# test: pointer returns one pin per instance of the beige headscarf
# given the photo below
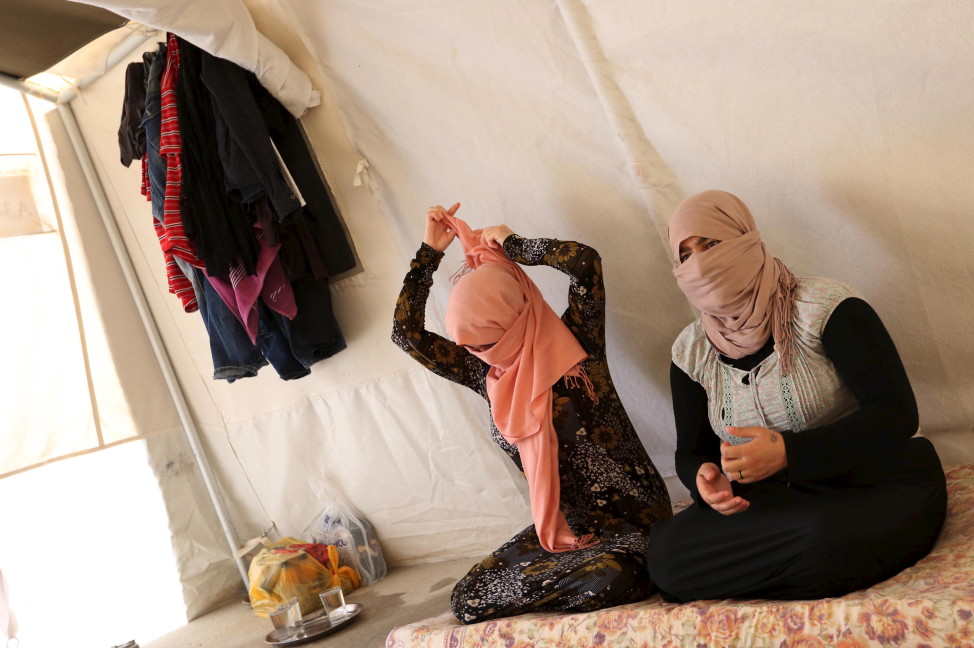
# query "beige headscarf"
(744, 294)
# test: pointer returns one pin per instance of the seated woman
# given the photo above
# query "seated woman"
(794, 420)
(594, 491)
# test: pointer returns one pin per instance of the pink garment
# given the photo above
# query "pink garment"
(240, 291)
(497, 304)
(744, 294)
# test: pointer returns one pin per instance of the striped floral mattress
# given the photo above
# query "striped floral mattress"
(926, 606)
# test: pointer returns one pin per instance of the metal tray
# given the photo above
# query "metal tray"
(313, 628)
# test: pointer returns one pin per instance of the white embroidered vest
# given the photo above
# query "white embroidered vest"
(812, 395)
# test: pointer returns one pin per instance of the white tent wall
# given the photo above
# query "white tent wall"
(495, 109)
(126, 377)
(129, 389)
(86, 406)
(405, 448)
(847, 130)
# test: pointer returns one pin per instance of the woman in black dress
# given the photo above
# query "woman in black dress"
(794, 421)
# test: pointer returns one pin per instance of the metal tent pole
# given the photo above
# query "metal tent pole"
(128, 271)
(28, 88)
(148, 321)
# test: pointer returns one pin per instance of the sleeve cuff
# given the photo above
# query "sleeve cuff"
(513, 246)
(428, 254)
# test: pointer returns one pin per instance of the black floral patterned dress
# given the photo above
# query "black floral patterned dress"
(609, 485)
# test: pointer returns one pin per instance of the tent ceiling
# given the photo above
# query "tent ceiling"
(36, 34)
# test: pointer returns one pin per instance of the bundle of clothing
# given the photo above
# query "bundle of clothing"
(244, 219)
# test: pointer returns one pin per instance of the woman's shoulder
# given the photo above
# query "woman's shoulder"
(691, 348)
(822, 290)
(817, 298)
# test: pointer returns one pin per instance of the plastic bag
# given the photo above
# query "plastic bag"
(289, 568)
(344, 576)
(350, 532)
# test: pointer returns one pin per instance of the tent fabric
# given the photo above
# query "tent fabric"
(65, 352)
(36, 34)
(613, 112)
(376, 413)
(583, 121)
(92, 60)
(225, 29)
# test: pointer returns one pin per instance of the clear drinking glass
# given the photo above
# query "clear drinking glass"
(334, 602)
(288, 615)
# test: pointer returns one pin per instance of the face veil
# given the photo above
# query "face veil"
(745, 296)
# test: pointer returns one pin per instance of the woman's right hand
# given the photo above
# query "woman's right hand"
(439, 232)
(715, 489)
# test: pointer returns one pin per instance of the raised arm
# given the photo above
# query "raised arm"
(438, 354)
(585, 315)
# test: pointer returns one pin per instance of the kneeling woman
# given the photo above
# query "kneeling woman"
(594, 491)
(794, 421)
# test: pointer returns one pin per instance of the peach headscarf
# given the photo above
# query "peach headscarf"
(744, 294)
(497, 303)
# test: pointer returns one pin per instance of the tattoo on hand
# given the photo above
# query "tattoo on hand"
(774, 438)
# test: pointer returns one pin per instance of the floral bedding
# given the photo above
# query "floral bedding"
(926, 606)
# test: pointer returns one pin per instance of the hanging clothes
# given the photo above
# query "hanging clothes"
(131, 135)
(220, 226)
(252, 173)
(234, 354)
(220, 233)
(253, 166)
(161, 168)
(240, 290)
(322, 219)
(245, 146)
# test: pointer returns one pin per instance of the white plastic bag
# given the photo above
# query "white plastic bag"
(341, 525)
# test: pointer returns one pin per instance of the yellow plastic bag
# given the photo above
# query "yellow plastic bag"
(279, 573)
(343, 575)
(285, 569)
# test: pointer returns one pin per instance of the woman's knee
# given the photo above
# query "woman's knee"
(613, 578)
(468, 601)
(663, 560)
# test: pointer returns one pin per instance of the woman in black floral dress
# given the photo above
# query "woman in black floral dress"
(609, 485)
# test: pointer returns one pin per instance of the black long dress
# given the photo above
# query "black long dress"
(859, 501)
(609, 485)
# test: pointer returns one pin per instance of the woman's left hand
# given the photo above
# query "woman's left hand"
(496, 235)
(759, 458)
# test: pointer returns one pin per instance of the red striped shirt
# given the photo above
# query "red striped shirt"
(172, 235)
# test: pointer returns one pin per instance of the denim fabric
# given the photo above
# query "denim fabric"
(314, 334)
(151, 122)
(234, 356)
(275, 343)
